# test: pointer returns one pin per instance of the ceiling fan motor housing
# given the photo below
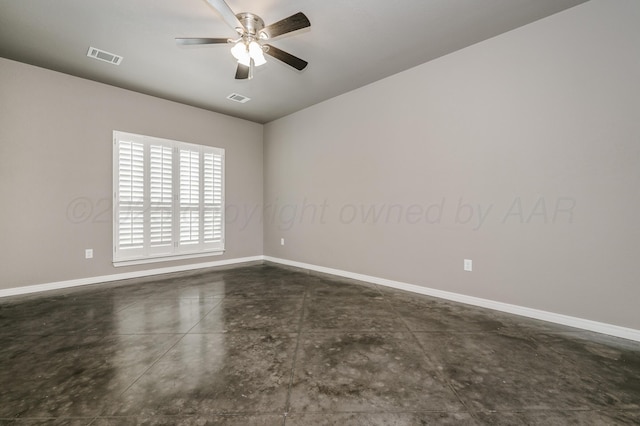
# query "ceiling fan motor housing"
(252, 23)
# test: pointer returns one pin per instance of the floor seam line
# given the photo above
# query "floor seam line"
(159, 358)
(295, 358)
(426, 354)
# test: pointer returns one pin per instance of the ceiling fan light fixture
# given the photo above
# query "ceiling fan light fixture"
(255, 52)
(240, 52)
(245, 53)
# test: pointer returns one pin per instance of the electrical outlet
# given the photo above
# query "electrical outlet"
(88, 254)
(281, 241)
(468, 265)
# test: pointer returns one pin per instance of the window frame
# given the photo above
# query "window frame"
(206, 172)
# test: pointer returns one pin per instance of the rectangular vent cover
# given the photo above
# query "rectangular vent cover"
(101, 55)
(238, 98)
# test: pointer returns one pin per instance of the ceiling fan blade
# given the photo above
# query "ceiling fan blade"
(190, 41)
(225, 11)
(285, 57)
(292, 23)
(242, 73)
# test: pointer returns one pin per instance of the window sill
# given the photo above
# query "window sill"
(142, 261)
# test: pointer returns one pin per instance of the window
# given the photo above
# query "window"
(168, 199)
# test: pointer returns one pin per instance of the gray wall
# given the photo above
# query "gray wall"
(56, 178)
(521, 153)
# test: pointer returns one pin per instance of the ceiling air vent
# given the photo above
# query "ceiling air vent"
(238, 98)
(101, 55)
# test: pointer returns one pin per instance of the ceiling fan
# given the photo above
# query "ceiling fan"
(250, 47)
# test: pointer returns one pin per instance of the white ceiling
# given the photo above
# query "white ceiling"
(351, 43)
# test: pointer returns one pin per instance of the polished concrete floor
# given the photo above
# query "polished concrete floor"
(265, 345)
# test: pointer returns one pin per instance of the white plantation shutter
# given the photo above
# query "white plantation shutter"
(213, 196)
(189, 197)
(168, 199)
(160, 198)
(130, 217)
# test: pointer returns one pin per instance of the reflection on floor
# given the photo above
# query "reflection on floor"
(265, 345)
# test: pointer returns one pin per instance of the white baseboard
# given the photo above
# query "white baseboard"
(584, 324)
(581, 323)
(123, 276)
